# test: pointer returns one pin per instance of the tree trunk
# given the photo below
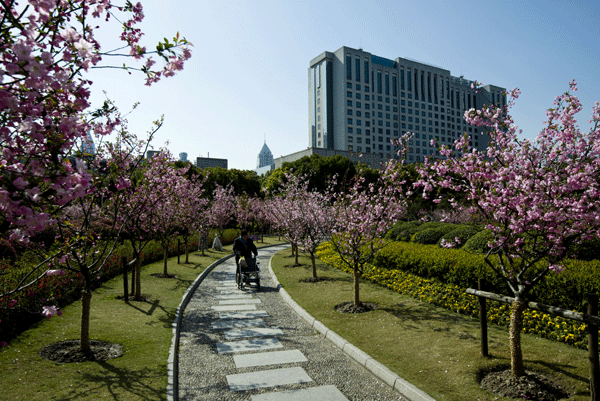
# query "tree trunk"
(296, 246)
(293, 248)
(187, 260)
(86, 300)
(356, 287)
(138, 274)
(165, 258)
(203, 243)
(516, 326)
(314, 264)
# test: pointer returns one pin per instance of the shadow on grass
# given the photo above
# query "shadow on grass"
(120, 383)
(166, 319)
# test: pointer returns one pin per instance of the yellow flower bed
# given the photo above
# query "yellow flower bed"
(454, 298)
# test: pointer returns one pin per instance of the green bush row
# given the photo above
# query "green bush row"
(453, 297)
(459, 267)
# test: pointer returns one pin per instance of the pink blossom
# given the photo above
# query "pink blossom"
(49, 311)
(55, 272)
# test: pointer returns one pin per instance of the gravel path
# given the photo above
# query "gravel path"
(207, 374)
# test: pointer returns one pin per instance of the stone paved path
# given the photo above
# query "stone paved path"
(250, 345)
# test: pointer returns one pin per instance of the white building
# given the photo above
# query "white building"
(359, 102)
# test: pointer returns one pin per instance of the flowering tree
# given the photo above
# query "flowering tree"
(362, 216)
(191, 216)
(222, 207)
(317, 218)
(284, 210)
(88, 228)
(143, 205)
(538, 197)
(244, 210)
(47, 47)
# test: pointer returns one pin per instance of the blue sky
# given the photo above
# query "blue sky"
(247, 79)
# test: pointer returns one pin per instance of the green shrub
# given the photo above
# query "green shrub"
(479, 242)
(463, 232)
(432, 235)
(402, 231)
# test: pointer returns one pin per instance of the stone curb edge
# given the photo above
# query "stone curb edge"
(173, 359)
(379, 370)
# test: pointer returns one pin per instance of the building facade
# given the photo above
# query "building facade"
(360, 102)
(203, 162)
(183, 156)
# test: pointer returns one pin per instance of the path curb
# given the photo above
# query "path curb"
(379, 370)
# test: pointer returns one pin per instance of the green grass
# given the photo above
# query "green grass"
(142, 328)
(435, 349)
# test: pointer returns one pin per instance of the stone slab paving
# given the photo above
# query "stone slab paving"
(252, 332)
(237, 323)
(234, 296)
(204, 370)
(243, 315)
(268, 358)
(267, 378)
(260, 344)
(321, 393)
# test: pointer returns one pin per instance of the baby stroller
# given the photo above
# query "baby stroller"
(247, 271)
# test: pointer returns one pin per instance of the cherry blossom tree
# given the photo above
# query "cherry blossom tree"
(192, 208)
(362, 216)
(284, 210)
(47, 47)
(222, 208)
(537, 196)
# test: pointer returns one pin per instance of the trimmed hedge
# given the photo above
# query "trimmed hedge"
(578, 274)
(463, 232)
(479, 242)
(403, 231)
(429, 236)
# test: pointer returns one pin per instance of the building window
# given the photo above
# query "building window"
(349, 85)
(348, 67)
(358, 104)
(379, 82)
(358, 95)
(350, 148)
(349, 102)
(357, 87)
(359, 148)
(349, 130)
(394, 86)
(366, 72)
(349, 112)
(357, 68)
(350, 138)
(368, 141)
(349, 121)
(387, 84)
(349, 94)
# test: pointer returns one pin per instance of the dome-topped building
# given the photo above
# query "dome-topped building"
(265, 157)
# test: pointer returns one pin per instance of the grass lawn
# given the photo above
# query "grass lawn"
(142, 328)
(433, 348)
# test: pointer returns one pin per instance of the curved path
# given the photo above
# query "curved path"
(249, 345)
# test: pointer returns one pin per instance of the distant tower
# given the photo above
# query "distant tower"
(87, 145)
(265, 157)
(183, 156)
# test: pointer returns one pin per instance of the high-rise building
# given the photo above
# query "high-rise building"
(183, 156)
(265, 157)
(359, 102)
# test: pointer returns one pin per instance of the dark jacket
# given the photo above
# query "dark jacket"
(246, 250)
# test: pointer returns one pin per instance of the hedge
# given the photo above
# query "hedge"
(395, 268)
